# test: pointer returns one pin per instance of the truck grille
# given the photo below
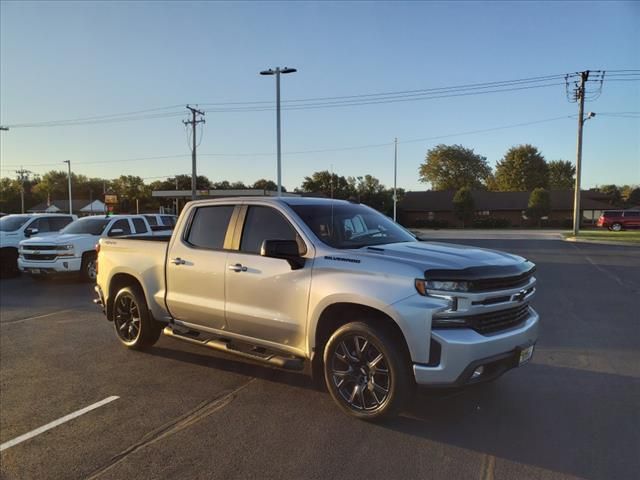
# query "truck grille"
(39, 247)
(501, 320)
(31, 256)
(488, 284)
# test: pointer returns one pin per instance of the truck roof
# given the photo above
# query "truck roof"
(286, 200)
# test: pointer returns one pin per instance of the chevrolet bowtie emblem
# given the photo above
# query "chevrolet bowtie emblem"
(518, 297)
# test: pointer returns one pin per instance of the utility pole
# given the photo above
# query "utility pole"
(193, 122)
(68, 162)
(22, 175)
(579, 95)
(395, 176)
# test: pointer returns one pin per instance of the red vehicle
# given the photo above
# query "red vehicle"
(617, 220)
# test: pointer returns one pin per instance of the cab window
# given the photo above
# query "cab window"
(209, 227)
(264, 223)
(140, 226)
(122, 224)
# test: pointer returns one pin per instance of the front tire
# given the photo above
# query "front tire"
(616, 227)
(366, 371)
(134, 326)
(88, 270)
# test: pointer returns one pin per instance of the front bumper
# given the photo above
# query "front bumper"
(42, 267)
(463, 350)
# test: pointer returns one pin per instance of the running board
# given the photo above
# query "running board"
(252, 352)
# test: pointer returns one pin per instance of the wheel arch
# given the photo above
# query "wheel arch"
(337, 314)
(118, 282)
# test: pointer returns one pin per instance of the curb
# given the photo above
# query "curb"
(602, 242)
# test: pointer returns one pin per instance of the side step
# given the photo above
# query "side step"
(252, 352)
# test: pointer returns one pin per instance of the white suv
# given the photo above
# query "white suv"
(15, 228)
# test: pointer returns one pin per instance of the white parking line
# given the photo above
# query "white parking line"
(55, 423)
(18, 320)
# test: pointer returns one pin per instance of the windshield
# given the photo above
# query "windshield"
(11, 223)
(91, 226)
(351, 225)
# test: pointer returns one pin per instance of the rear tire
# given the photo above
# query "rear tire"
(9, 263)
(88, 271)
(134, 326)
(366, 371)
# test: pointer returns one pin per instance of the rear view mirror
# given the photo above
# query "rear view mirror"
(114, 232)
(30, 231)
(285, 249)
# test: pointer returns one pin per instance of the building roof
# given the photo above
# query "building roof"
(55, 206)
(437, 201)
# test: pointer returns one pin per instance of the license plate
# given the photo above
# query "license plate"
(35, 270)
(525, 355)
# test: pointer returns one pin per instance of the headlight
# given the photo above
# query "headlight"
(65, 247)
(440, 285)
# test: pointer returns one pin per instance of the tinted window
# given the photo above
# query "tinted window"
(58, 223)
(264, 223)
(42, 224)
(612, 214)
(209, 226)
(123, 223)
(346, 225)
(11, 223)
(169, 220)
(139, 225)
(632, 214)
(89, 225)
(152, 220)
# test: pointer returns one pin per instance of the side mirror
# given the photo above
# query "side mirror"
(30, 231)
(114, 232)
(285, 249)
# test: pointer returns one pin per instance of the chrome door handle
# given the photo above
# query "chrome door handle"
(237, 268)
(178, 261)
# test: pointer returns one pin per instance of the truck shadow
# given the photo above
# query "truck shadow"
(577, 422)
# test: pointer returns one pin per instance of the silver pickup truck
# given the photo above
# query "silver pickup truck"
(325, 284)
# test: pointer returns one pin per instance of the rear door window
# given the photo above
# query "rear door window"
(632, 213)
(58, 223)
(152, 220)
(209, 227)
(42, 224)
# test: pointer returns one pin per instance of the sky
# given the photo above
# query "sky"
(66, 60)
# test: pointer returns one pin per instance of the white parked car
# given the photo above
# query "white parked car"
(15, 228)
(73, 249)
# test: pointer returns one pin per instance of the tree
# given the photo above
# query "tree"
(329, 184)
(463, 205)
(562, 174)
(268, 185)
(613, 192)
(633, 198)
(522, 168)
(451, 167)
(539, 205)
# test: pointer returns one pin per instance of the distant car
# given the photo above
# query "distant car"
(617, 220)
(15, 228)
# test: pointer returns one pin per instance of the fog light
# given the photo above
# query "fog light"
(65, 264)
(477, 372)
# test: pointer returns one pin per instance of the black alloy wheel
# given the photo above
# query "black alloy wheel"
(367, 371)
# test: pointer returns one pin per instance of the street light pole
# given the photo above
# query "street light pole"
(68, 162)
(277, 73)
(395, 176)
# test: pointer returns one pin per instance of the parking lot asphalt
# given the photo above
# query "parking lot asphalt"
(187, 412)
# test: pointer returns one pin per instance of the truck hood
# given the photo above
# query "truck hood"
(59, 239)
(439, 256)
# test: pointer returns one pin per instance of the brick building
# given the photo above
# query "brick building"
(423, 208)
